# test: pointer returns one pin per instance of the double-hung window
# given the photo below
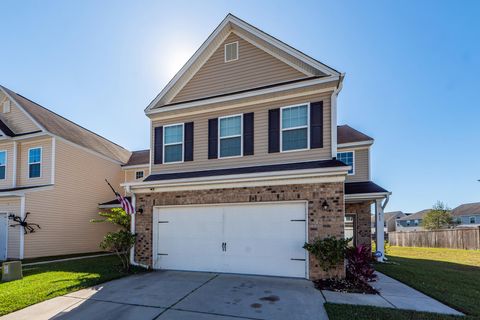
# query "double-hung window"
(349, 159)
(34, 162)
(472, 219)
(230, 136)
(173, 143)
(294, 127)
(138, 174)
(3, 164)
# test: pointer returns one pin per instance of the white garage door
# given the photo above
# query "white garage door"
(264, 239)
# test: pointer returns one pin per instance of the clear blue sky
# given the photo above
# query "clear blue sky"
(412, 73)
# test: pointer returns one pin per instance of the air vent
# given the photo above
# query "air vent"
(6, 106)
(231, 51)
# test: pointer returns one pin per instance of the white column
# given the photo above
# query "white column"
(379, 223)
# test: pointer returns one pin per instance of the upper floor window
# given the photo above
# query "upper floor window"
(231, 51)
(230, 136)
(408, 222)
(34, 162)
(472, 219)
(349, 159)
(173, 143)
(294, 122)
(138, 174)
(416, 222)
(3, 164)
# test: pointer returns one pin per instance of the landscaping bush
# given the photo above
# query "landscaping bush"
(360, 264)
(119, 242)
(330, 252)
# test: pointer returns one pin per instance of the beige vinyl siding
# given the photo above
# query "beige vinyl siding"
(11, 205)
(16, 119)
(261, 155)
(254, 68)
(8, 181)
(362, 164)
(65, 211)
(129, 174)
(46, 165)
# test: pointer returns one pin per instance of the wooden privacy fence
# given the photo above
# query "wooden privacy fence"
(460, 238)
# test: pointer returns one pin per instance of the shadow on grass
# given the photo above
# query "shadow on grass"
(455, 284)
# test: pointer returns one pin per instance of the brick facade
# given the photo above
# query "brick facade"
(321, 223)
(363, 222)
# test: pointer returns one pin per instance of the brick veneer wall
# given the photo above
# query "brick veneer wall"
(321, 223)
(363, 212)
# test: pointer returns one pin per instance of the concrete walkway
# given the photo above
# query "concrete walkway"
(393, 294)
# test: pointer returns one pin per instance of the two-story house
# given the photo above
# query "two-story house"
(413, 222)
(247, 162)
(52, 173)
(467, 215)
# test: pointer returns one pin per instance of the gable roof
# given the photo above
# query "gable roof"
(266, 42)
(138, 158)
(416, 216)
(57, 125)
(467, 209)
(346, 134)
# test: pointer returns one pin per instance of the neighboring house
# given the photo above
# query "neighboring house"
(54, 170)
(411, 222)
(467, 215)
(247, 162)
(390, 221)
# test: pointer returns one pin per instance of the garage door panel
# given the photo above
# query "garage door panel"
(262, 238)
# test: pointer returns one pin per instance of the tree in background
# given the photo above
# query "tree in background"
(437, 218)
(121, 241)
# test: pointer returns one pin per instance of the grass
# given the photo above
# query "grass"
(50, 280)
(349, 312)
(449, 275)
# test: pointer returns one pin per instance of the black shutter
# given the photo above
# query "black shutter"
(213, 138)
(316, 125)
(158, 145)
(188, 146)
(273, 130)
(248, 134)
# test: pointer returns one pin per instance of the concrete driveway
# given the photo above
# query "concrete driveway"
(180, 295)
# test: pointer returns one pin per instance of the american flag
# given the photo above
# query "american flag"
(126, 205)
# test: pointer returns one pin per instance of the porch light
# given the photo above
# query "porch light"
(325, 205)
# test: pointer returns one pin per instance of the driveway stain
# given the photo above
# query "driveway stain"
(272, 299)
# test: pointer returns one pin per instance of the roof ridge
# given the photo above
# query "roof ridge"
(58, 115)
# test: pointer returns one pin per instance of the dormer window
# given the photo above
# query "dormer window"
(231, 51)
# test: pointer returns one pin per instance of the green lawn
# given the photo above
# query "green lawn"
(349, 312)
(50, 280)
(448, 275)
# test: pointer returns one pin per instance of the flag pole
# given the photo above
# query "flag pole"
(113, 190)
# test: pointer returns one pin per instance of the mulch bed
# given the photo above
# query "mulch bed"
(344, 285)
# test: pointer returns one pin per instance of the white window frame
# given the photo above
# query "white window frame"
(234, 136)
(416, 222)
(470, 220)
(171, 144)
(353, 160)
(225, 52)
(6, 106)
(300, 127)
(40, 162)
(6, 160)
(138, 171)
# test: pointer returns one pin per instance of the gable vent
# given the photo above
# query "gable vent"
(231, 51)
(6, 106)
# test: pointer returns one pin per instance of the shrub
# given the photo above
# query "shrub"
(122, 241)
(360, 264)
(330, 252)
